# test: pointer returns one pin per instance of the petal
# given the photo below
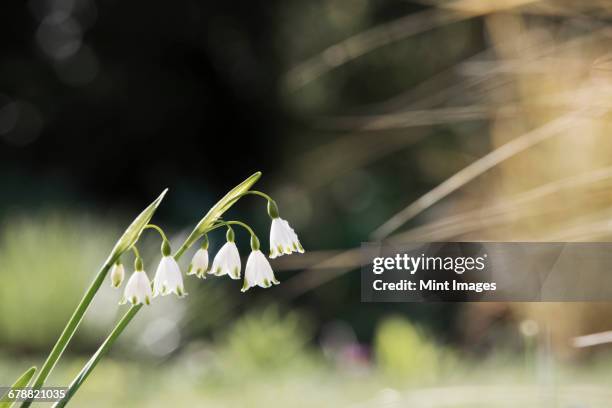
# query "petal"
(174, 276)
(218, 267)
(160, 282)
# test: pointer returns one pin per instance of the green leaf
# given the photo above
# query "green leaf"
(132, 233)
(21, 382)
(222, 206)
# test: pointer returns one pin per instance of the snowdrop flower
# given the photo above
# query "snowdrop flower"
(117, 274)
(258, 271)
(283, 239)
(199, 263)
(138, 288)
(168, 278)
(227, 260)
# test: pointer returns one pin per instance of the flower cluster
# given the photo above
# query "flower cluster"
(168, 277)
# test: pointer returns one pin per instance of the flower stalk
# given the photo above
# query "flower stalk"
(168, 277)
(127, 240)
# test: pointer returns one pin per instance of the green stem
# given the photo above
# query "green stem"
(218, 208)
(251, 192)
(93, 361)
(182, 249)
(242, 224)
(69, 330)
(158, 229)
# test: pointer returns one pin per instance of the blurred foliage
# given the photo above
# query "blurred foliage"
(46, 263)
(266, 339)
(497, 383)
(403, 352)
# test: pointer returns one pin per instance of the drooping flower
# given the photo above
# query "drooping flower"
(227, 261)
(199, 263)
(283, 239)
(258, 272)
(168, 278)
(138, 289)
(117, 274)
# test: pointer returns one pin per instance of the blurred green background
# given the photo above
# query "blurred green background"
(353, 109)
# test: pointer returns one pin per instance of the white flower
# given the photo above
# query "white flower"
(138, 289)
(199, 263)
(227, 261)
(168, 278)
(283, 239)
(117, 275)
(258, 272)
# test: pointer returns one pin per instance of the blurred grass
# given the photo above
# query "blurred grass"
(46, 262)
(404, 352)
(221, 375)
(268, 357)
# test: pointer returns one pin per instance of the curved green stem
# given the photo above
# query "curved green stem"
(251, 192)
(240, 223)
(158, 229)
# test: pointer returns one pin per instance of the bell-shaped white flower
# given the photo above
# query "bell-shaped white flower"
(168, 278)
(117, 274)
(227, 261)
(138, 289)
(258, 272)
(199, 263)
(283, 239)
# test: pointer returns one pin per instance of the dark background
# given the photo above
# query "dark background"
(167, 103)
(102, 105)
